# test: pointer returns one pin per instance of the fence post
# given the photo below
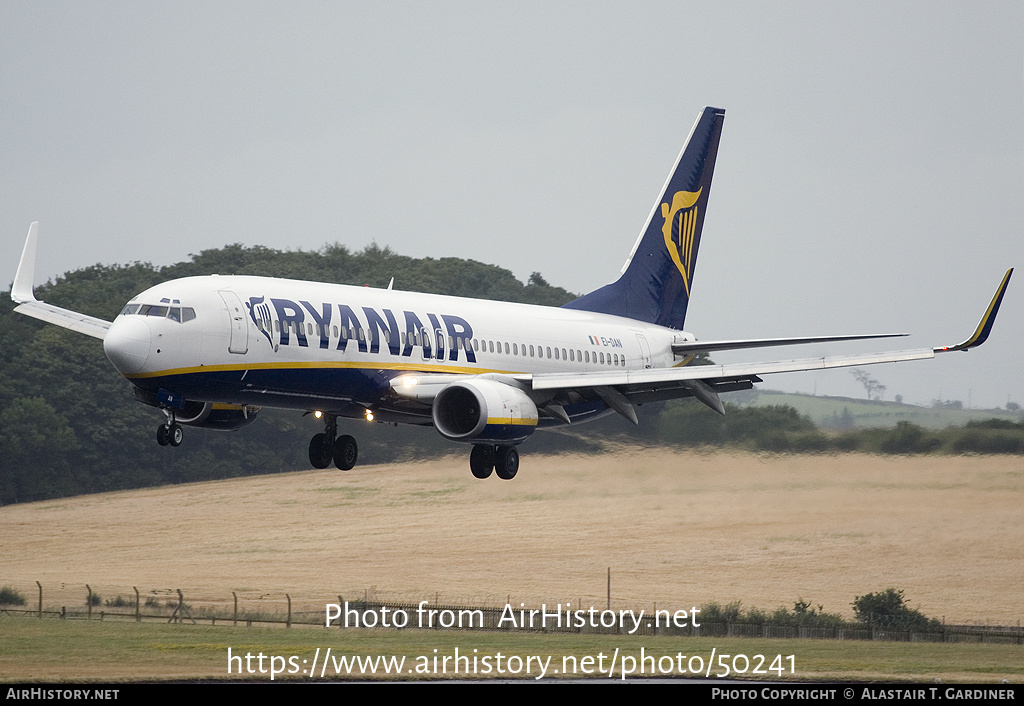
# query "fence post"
(88, 600)
(40, 599)
(609, 606)
(235, 619)
(138, 616)
(288, 624)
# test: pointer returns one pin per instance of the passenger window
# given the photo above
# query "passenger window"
(531, 351)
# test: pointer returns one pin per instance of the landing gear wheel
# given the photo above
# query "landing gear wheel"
(506, 463)
(345, 452)
(162, 437)
(175, 435)
(321, 452)
(481, 460)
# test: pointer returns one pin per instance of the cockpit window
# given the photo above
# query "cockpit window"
(181, 314)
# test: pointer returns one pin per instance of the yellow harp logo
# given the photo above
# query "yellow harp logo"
(680, 226)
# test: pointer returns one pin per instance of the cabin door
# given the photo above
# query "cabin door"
(239, 342)
(645, 350)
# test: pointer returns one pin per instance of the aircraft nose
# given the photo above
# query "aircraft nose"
(127, 344)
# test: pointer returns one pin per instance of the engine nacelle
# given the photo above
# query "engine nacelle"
(484, 411)
(223, 417)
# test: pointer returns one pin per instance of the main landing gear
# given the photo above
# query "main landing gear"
(328, 446)
(170, 432)
(503, 460)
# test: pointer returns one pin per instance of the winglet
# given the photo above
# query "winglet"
(985, 326)
(22, 290)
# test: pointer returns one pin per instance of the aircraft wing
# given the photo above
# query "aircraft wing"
(22, 293)
(621, 389)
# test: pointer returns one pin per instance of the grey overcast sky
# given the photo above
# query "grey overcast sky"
(870, 176)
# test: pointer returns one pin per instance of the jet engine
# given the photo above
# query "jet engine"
(479, 410)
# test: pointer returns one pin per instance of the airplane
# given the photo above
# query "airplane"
(211, 351)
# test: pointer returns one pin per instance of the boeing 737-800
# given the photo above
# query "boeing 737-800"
(211, 351)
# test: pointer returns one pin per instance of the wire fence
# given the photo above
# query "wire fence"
(251, 609)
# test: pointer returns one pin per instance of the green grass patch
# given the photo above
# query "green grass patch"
(52, 650)
(829, 411)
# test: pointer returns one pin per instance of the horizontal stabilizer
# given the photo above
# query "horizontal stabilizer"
(710, 346)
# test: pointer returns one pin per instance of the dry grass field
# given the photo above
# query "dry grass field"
(676, 529)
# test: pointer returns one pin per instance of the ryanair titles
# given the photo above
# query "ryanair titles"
(285, 322)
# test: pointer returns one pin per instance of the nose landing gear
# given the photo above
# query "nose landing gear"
(170, 432)
(328, 446)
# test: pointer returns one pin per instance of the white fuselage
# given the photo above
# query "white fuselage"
(297, 344)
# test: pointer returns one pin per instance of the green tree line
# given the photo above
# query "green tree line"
(68, 422)
(69, 425)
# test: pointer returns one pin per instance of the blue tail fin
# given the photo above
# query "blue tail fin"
(655, 282)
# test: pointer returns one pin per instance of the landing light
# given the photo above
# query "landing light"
(410, 381)
(318, 414)
(369, 416)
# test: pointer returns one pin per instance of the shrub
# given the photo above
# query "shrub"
(803, 614)
(889, 609)
(10, 596)
(988, 441)
(714, 613)
(908, 438)
(120, 602)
